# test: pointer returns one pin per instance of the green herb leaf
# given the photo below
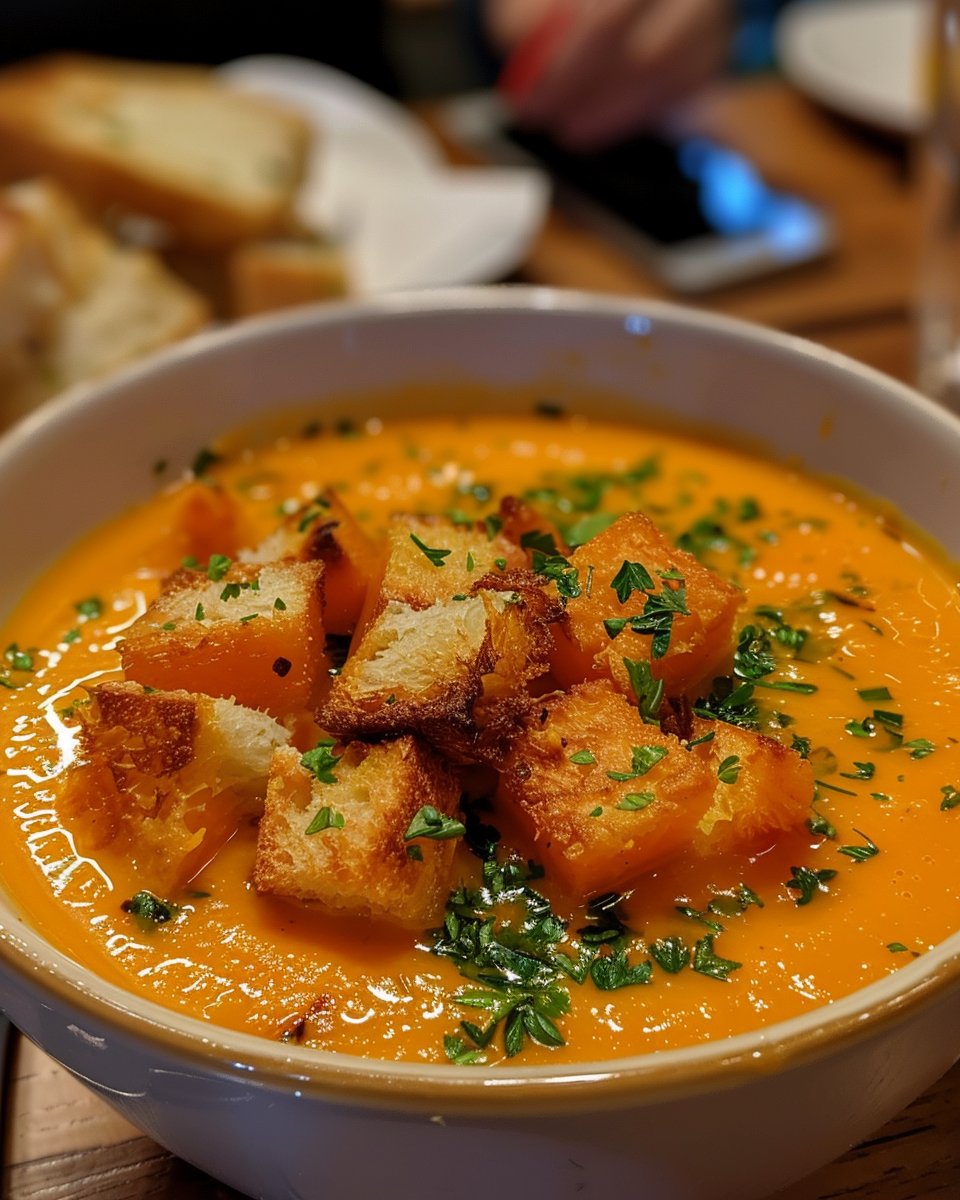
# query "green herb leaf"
(643, 759)
(670, 954)
(321, 760)
(706, 962)
(218, 566)
(582, 758)
(91, 608)
(150, 909)
(648, 691)
(434, 555)
(429, 822)
(632, 577)
(807, 883)
(634, 801)
(610, 972)
(325, 818)
(729, 769)
(951, 798)
(860, 853)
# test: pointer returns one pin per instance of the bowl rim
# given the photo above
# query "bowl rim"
(505, 1089)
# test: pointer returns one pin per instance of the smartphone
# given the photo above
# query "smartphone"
(694, 212)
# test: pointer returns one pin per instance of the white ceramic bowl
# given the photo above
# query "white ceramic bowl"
(731, 1119)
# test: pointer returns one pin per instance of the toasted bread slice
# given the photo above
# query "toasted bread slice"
(252, 633)
(217, 166)
(326, 530)
(283, 273)
(31, 291)
(429, 559)
(359, 861)
(73, 304)
(170, 772)
(456, 672)
(598, 631)
(603, 797)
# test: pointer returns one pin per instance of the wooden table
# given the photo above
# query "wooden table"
(64, 1142)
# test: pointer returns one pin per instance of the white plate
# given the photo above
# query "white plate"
(377, 182)
(862, 58)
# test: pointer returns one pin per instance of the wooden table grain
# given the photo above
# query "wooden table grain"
(62, 1141)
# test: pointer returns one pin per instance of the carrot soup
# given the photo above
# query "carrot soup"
(469, 738)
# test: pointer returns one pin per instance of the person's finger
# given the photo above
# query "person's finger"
(588, 49)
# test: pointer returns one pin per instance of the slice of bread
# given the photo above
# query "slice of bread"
(73, 304)
(358, 862)
(169, 772)
(268, 275)
(216, 166)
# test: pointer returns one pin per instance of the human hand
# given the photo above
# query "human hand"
(601, 69)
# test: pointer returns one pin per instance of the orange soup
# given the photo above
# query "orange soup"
(842, 651)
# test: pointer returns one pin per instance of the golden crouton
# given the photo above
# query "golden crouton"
(430, 559)
(455, 672)
(603, 797)
(327, 531)
(170, 772)
(336, 837)
(634, 572)
(762, 787)
(251, 632)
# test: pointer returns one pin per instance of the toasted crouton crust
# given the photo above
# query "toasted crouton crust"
(700, 642)
(456, 672)
(771, 792)
(325, 530)
(584, 826)
(363, 866)
(169, 771)
(410, 576)
(202, 636)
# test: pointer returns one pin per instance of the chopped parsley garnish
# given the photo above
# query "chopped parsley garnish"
(321, 760)
(318, 508)
(919, 747)
(808, 882)
(659, 610)
(582, 758)
(434, 555)
(558, 569)
(71, 636)
(325, 818)
(218, 566)
(864, 770)
(821, 827)
(613, 971)
(91, 608)
(706, 962)
(632, 577)
(670, 954)
(702, 739)
(149, 909)
(643, 759)
(860, 854)
(635, 801)
(951, 797)
(732, 702)
(874, 695)
(429, 822)
(729, 769)
(648, 691)
(199, 613)
(19, 660)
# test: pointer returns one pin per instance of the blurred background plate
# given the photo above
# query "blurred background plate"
(862, 58)
(377, 183)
